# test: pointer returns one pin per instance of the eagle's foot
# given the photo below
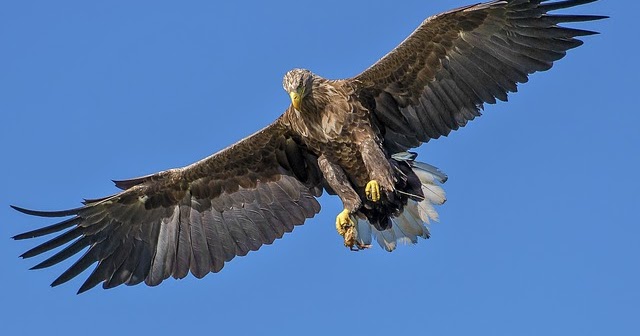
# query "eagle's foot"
(372, 191)
(344, 222)
(351, 242)
(346, 227)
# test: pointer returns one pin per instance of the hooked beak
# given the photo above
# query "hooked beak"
(295, 100)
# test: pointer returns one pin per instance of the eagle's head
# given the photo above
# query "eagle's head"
(298, 84)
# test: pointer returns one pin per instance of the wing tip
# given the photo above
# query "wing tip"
(56, 283)
(19, 209)
(31, 254)
(64, 277)
(85, 287)
(557, 5)
(39, 213)
(596, 17)
(36, 267)
(21, 236)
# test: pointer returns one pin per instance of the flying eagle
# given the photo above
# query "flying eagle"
(348, 137)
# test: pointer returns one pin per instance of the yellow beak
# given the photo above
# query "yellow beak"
(295, 100)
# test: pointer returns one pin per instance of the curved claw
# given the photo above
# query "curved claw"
(346, 227)
(344, 222)
(372, 191)
(358, 247)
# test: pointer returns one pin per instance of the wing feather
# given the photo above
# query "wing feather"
(224, 234)
(217, 254)
(54, 243)
(64, 254)
(49, 229)
(440, 77)
(183, 251)
(201, 263)
(119, 274)
(166, 250)
(187, 220)
(148, 237)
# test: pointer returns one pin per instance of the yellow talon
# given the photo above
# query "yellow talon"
(347, 229)
(344, 222)
(372, 191)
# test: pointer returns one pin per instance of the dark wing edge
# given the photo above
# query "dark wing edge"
(191, 219)
(439, 78)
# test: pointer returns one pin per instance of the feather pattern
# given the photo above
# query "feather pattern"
(196, 218)
(440, 77)
(413, 221)
(187, 220)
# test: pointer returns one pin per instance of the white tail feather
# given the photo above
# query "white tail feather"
(435, 194)
(427, 212)
(363, 232)
(424, 176)
(421, 166)
(414, 219)
(408, 227)
(386, 239)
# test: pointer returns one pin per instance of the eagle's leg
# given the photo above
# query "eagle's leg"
(380, 171)
(338, 181)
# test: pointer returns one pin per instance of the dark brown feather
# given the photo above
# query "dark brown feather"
(457, 61)
(192, 219)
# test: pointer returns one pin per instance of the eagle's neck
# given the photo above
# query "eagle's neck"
(307, 120)
(318, 97)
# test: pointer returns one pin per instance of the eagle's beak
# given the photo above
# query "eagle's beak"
(295, 100)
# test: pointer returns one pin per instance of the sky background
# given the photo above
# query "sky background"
(539, 235)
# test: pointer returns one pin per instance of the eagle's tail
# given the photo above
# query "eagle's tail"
(413, 220)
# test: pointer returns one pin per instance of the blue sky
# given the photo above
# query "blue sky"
(539, 235)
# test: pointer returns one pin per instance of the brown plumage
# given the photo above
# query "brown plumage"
(348, 137)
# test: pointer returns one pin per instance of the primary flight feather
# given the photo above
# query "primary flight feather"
(348, 137)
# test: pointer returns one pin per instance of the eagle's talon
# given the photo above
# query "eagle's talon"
(344, 222)
(372, 191)
(359, 247)
(346, 227)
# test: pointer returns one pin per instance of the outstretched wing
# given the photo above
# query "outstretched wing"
(194, 218)
(441, 75)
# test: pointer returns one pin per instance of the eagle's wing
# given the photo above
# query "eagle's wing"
(194, 218)
(441, 75)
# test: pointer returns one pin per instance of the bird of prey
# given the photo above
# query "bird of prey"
(349, 137)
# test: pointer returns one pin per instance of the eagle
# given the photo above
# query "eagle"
(349, 137)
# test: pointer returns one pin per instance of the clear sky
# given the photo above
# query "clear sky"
(539, 236)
